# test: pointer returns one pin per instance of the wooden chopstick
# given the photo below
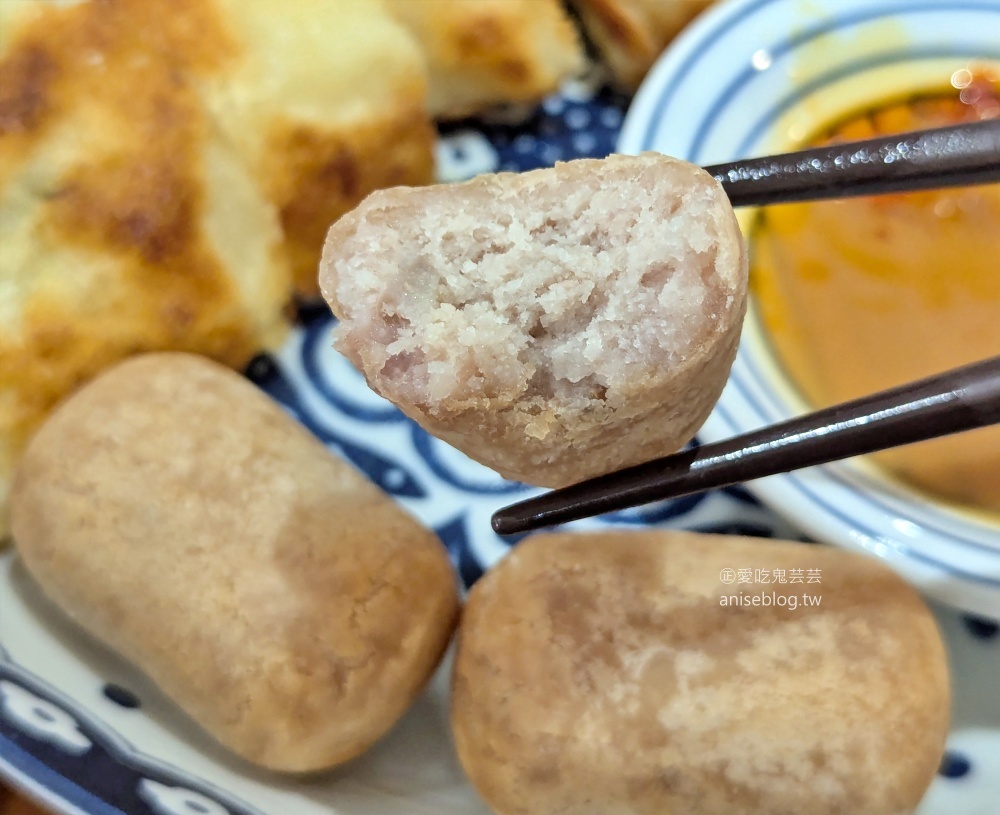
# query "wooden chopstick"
(958, 155)
(961, 399)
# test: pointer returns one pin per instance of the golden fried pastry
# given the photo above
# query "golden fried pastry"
(616, 672)
(127, 221)
(631, 34)
(325, 101)
(484, 52)
(275, 594)
(553, 325)
(161, 161)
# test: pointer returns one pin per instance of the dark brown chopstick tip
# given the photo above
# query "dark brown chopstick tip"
(505, 522)
(950, 402)
(955, 155)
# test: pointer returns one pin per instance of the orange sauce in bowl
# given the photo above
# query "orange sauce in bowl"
(863, 294)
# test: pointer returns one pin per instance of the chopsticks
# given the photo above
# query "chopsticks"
(961, 399)
(958, 155)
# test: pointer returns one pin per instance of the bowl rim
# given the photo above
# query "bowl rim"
(966, 570)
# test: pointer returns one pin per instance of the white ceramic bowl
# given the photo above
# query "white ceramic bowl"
(753, 77)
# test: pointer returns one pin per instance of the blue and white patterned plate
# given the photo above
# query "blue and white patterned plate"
(86, 733)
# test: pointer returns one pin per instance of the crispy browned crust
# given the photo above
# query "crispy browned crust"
(104, 185)
(602, 673)
(282, 600)
(631, 34)
(316, 174)
(481, 53)
(135, 220)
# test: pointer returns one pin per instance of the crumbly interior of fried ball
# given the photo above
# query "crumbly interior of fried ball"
(561, 289)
